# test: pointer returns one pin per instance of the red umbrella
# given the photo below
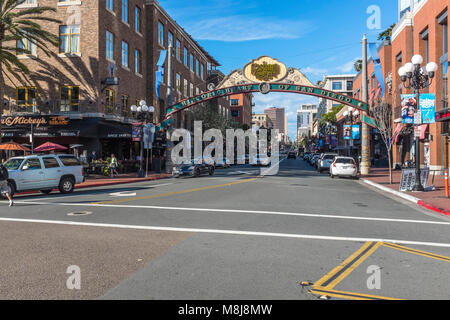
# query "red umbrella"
(49, 146)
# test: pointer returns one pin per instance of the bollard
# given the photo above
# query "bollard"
(446, 184)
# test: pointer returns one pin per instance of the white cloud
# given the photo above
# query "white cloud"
(246, 28)
(315, 71)
(348, 67)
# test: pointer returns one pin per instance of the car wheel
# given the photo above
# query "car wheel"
(197, 173)
(48, 191)
(66, 185)
(211, 172)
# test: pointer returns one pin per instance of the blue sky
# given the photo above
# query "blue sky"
(317, 36)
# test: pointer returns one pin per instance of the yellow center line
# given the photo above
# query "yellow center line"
(349, 295)
(332, 278)
(417, 252)
(168, 194)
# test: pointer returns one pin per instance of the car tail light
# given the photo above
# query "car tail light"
(354, 165)
(334, 164)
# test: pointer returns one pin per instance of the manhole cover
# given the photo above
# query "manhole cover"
(80, 213)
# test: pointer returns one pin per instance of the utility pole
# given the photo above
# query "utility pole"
(365, 139)
(169, 103)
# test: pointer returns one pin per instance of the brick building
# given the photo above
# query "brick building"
(106, 62)
(421, 29)
(241, 108)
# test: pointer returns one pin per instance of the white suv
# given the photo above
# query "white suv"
(44, 173)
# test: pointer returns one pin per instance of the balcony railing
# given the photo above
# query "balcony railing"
(82, 108)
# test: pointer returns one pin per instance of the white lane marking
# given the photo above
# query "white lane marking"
(60, 196)
(122, 194)
(240, 211)
(229, 232)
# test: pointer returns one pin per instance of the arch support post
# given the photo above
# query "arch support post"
(365, 135)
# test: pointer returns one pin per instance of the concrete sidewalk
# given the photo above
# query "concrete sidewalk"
(433, 200)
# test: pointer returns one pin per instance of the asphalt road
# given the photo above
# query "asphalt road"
(237, 235)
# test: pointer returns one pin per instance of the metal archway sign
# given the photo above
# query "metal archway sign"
(268, 75)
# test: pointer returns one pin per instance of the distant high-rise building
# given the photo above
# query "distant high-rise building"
(305, 118)
(277, 115)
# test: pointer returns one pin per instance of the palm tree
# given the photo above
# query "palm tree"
(18, 26)
(386, 34)
(358, 65)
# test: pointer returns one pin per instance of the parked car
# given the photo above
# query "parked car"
(313, 158)
(222, 164)
(193, 169)
(306, 155)
(344, 167)
(325, 161)
(292, 155)
(44, 173)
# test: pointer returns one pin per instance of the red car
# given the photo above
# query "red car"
(292, 155)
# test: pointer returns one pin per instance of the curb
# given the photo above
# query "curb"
(407, 197)
(133, 180)
(104, 184)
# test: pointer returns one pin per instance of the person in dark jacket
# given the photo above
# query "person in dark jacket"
(5, 189)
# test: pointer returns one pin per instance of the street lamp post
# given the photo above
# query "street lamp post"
(142, 113)
(418, 78)
(351, 116)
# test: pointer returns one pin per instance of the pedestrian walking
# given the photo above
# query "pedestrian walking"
(4, 186)
(113, 166)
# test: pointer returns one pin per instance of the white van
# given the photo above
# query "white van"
(44, 173)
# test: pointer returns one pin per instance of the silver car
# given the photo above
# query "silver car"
(325, 161)
(44, 173)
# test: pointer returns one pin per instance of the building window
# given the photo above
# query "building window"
(185, 88)
(138, 61)
(178, 50)
(109, 45)
(191, 60)
(424, 37)
(444, 84)
(26, 99)
(110, 5)
(443, 21)
(161, 34)
(197, 67)
(234, 102)
(337, 85)
(191, 90)
(186, 57)
(27, 45)
(69, 39)
(178, 82)
(125, 103)
(137, 20)
(170, 38)
(125, 55)
(69, 98)
(109, 100)
(26, 1)
(349, 85)
(125, 17)
(202, 72)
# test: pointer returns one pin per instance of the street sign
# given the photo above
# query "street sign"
(409, 178)
(417, 132)
(418, 117)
